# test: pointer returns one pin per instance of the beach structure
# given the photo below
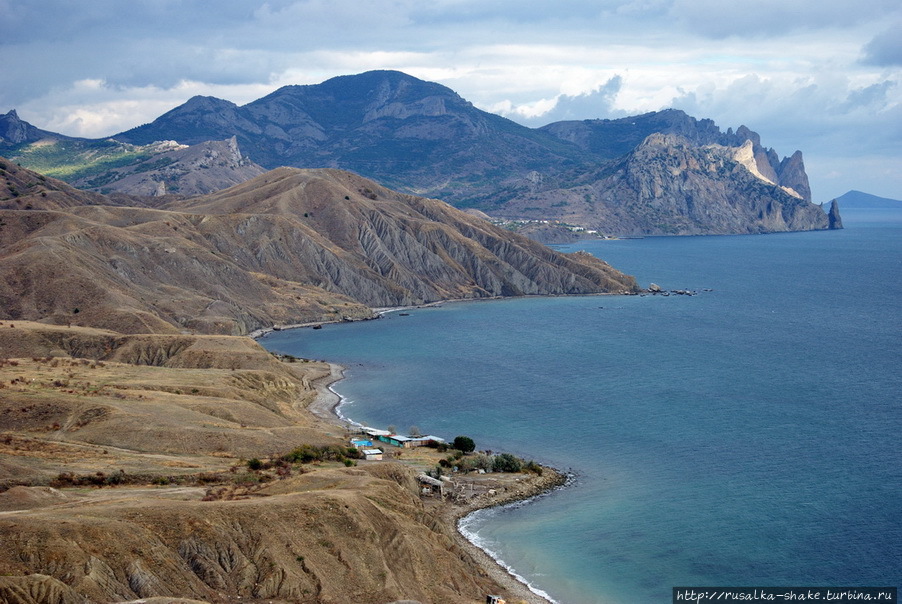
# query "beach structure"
(409, 442)
(372, 454)
(361, 443)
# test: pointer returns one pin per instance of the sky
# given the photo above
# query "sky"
(821, 76)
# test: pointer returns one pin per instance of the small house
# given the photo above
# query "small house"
(409, 442)
(372, 454)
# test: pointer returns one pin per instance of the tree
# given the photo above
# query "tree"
(415, 431)
(464, 443)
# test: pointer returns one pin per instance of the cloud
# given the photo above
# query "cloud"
(807, 74)
(772, 18)
(597, 103)
(885, 49)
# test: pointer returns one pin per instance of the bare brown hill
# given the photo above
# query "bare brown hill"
(78, 398)
(331, 536)
(288, 247)
(154, 431)
(105, 382)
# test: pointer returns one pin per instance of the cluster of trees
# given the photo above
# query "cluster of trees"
(465, 460)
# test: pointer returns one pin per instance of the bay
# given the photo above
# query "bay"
(746, 435)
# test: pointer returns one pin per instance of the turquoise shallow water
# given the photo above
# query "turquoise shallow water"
(748, 435)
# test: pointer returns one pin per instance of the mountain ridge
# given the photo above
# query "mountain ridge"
(290, 246)
(423, 138)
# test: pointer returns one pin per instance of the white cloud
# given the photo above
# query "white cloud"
(94, 109)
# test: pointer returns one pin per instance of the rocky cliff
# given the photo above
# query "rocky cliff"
(287, 247)
(671, 186)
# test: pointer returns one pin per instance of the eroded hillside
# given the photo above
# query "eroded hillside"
(288, 247)
(124, 474)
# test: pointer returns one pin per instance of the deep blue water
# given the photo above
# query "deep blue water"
(748, 435)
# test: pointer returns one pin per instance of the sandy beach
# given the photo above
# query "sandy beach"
(488, 490)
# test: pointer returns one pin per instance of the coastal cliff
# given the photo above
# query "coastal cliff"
(670, 186)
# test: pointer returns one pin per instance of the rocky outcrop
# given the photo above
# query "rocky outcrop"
(15, 131)
(833, 216)
(670, 186)
(185, 171)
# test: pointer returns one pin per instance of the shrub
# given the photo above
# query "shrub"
(505, 462)
(533, 467)
(464, 444)
(254, 464)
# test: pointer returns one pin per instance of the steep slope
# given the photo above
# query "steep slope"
(287, 247)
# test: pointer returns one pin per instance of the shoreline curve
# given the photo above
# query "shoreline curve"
(326, 407)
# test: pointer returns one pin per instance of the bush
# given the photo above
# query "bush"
(505, 462)
(254, 464)
(475, 462)
(464, 444)
(533, 467)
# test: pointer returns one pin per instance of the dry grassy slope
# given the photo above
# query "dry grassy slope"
(337, 536)
(290, 246)
(153, 404)
(167, 405)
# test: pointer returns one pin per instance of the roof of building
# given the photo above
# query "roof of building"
(430, 480)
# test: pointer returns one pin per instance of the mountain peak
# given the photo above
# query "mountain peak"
(15, 131)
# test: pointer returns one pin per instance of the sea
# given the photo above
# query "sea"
(747, 435)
